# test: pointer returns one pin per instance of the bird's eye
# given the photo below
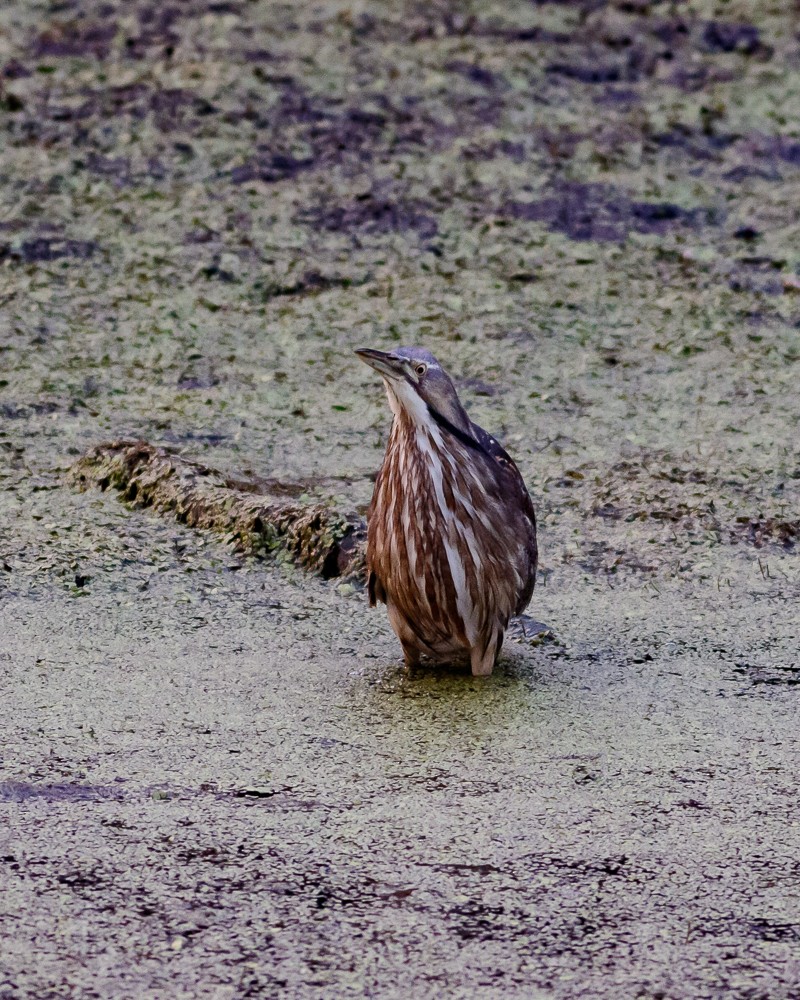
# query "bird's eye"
(420, 369)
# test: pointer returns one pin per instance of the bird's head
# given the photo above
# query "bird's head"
(417, 385)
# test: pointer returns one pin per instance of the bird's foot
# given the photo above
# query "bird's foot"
(411, 659)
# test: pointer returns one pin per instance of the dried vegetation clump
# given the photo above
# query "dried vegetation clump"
(253, 522)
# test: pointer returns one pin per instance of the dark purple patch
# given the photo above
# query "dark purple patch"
(727, 36)
(756, 274)
(9, 411)
(351, 131)
(559, 144)
(116, 168)
(789, 152)
(475, 74)
(270, 168)
(755, 285)
(536, 35)
(74, 38)
(13, 412)
(618, 96)
(776, 930)
(156, 30)
(216, 273)
(763, 262)
(296, 106)
(201, 236)
(202, 380)
(170, 106)
(650, 213)
(479, 387)
(372, 121)
(224, 7)
(81, 881)
(72, 114)
(424, 22)
(475, 109)
(690, 76)
(45, 249)
(588, 72)
(585, 7)
(24, 791)
(673, 32)
(331, 132)
(311, 281)
(695, 142)
(128, 98)
(742, 173)
(14, 70)
(258, 55)
(763, 155)
(600, 213)
(502, 147)
(374, 214)
(592, 66)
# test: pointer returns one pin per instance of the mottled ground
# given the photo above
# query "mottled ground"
(215, 780)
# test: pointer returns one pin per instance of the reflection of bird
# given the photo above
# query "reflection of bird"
(451, 537)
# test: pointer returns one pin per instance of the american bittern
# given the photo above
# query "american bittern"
(451, 536)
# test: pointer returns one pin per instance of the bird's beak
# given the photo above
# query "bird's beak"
(385, 364)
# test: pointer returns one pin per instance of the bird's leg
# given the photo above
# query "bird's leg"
(410, 656)
(483, 658)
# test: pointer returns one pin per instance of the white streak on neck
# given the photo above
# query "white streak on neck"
(406, 402)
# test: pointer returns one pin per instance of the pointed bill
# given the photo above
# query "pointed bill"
(384, 363)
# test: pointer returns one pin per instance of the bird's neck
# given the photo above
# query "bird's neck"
(412, 411)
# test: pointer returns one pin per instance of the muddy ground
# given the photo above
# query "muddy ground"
(216, 780)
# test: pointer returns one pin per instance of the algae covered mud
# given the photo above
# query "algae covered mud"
(215, 779)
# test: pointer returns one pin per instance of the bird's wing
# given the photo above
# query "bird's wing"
(491, 447)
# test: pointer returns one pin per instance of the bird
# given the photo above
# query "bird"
(451, 530)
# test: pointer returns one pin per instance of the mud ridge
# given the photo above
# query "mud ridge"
(313, 535)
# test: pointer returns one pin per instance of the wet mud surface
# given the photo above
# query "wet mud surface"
(214, 778)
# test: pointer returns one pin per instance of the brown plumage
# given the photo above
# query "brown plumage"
(451, 536)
